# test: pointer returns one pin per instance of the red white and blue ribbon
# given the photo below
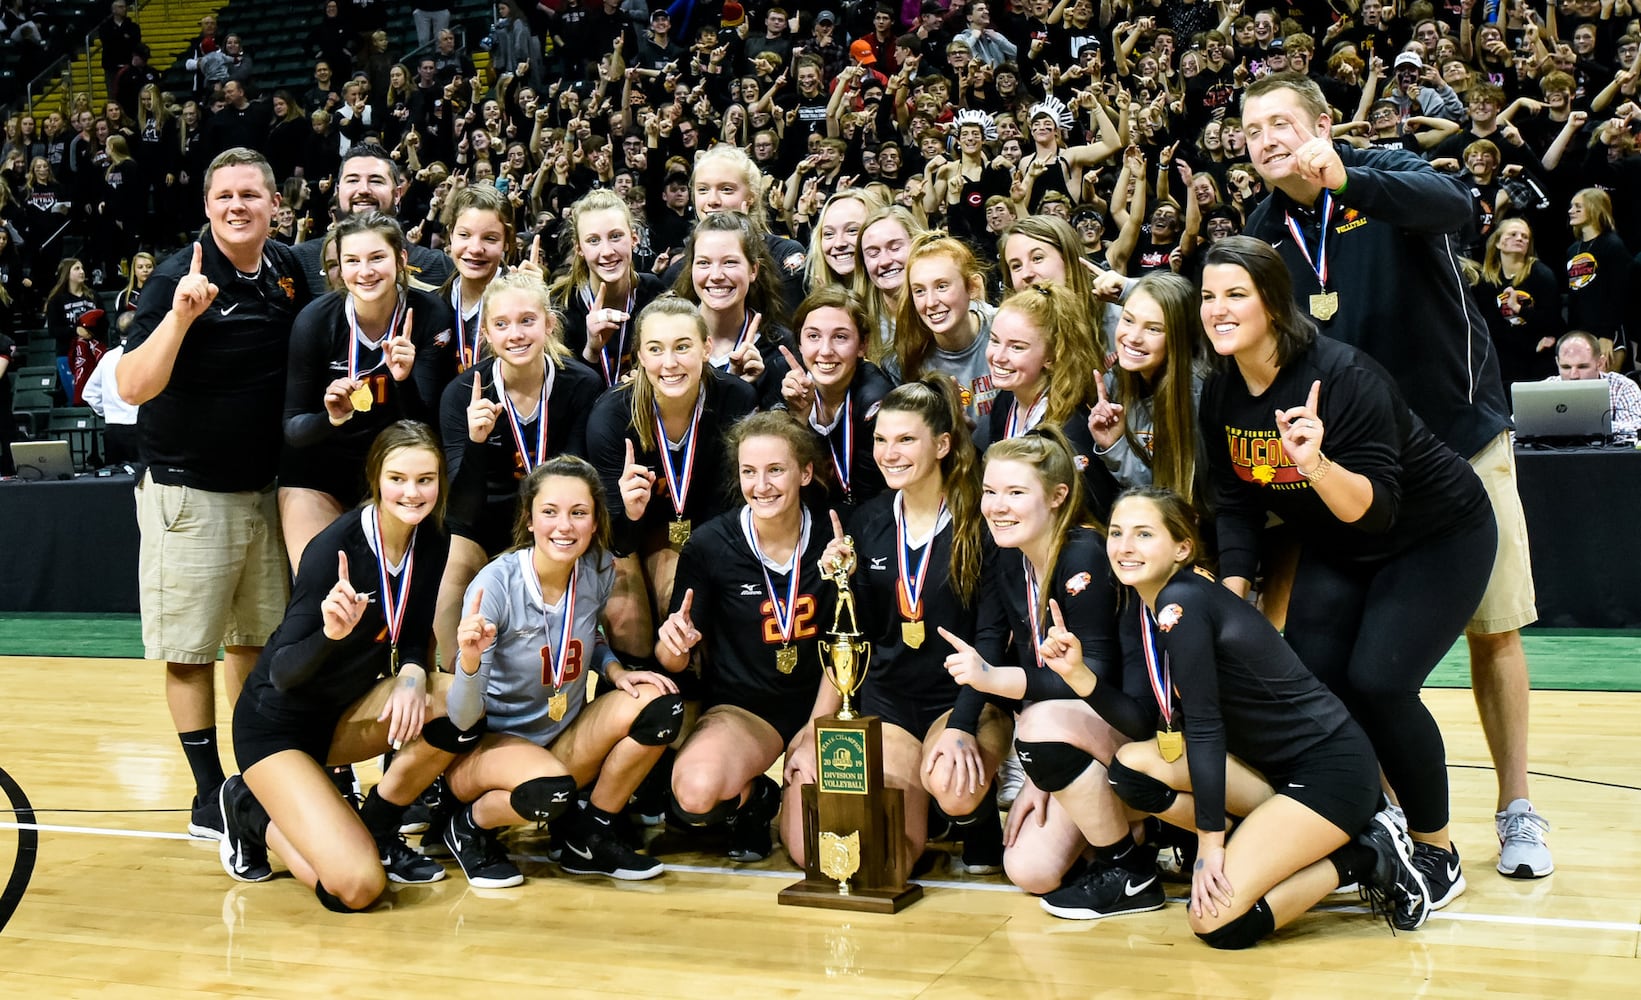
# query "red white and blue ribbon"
(355, 338)
(844, 464)
(678, 483)
(1318, 263)
(1018, 425)
(1156, 667)
(531, 459)
(1033, 593)
(393, 601)
(558, 663)
(911, 584)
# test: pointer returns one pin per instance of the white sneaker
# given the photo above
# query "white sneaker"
(1011, 777)
(1522, 851)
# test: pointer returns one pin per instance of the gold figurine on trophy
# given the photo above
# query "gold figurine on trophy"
(845, 658)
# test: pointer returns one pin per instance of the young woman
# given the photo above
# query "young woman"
(526, 402)
(344, 678)
(944, 322)
(731, 278)
(289, 134)
(1396, 536)
(1263, 740)
(725, 179)
(122, 204)
(90, 333)
(919, 554)
(479, 223)
(142, 265)
(1042, 248)
(884, 245)
(157, 145)
(47, 204)
(1599, 270)
(1045, 370)
(657, 441)
(71, 297)
(830, 386)
(1032, 501)
(1517, 293)
(360, 360)
(603, 291)
(749, 592)
(530, 637)
(832, 245)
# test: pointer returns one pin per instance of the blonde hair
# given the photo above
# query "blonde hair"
(1058, 317)
(816, 271)
(1046, 449)
(528, 284)
(579, 274)
(643, 391)
(752, 178)
(878, 307)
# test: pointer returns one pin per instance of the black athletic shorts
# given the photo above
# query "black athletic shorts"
(1338, 780)
(494, 531)
(258, 735)
(897, 708)
(787, 716)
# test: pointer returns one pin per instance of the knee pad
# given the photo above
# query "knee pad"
(1139, 790)
(331, 902)
(542, 800)
(1245, 931)
(442, 734)
(657, 724)
(1052, 766)
(717, 814)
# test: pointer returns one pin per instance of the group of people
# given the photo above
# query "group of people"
(1051, 462)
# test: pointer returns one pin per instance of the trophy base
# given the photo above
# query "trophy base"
(825, 895)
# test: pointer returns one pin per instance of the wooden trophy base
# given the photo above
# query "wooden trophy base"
(872, 889)
(826, 896)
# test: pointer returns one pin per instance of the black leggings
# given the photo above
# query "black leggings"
(1373, 634)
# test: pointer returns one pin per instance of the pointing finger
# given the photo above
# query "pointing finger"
(1099, 385)
(837, 526)
(410, 318)
(1315, 398)
(535, 252)
(689, 599)
(478, 599)
(956, 643)
(1055, 615)
(478, 388)
(793, 363)
(752, 328)
(598, 300)
(629, 452)
(341, 566)
(199, 259)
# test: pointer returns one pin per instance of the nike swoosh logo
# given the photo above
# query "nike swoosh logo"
(228, 309)
(1295, 785)
(1130, 889)
(467, 738)
(196, 743)
(1452, 873)
(580, 852)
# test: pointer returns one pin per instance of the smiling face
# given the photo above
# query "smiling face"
(1143, 553)
(840, 231)
(884, 248)
(408, 489)
(672, 352)
(719, 187)
(1017, 508)
(1142, 335)
(1018, 353)
(604, 241)
(831, 345)
(1276, 124)
(721, 271)
(517, 327)
(906, 449)
(940, 292)
(240, 205)
(1234, 316)
(366, 185)
(563, 520)
(369, 267)
(771, 478)
(1030, 261)
(477, 242)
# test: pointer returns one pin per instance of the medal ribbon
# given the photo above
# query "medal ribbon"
(1018, 425)
(1156, 667)
(393, 602)
(845, 465)
(465, 357)
(786, 619)
(513, 420)
(911, 584)
(612, 369)
(678, 484)
(559, 663)
(746, 324)
(355, 335)
(1319, 263)
(1032, 594)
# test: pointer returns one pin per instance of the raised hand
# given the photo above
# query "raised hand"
(399, 352)
(1302, 432)
(746, 361)
(339, 399)
(195, 292)
(1062, 653)
(474, 635)
(602, 323)
(343, 606)
(637, 485)
(840, 550)
(965, 663)
(677, 634)
(533, 264)
(481, 413)
(797, 388)
(1106, 421)
(1317, 158)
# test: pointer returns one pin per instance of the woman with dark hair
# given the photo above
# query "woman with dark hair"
(602, 291)
(729, 274)
(288, 136)
(70, 297)
(1396, 536)
(1044, 248)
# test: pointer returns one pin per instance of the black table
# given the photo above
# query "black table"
(1578, 504)
(69, 546)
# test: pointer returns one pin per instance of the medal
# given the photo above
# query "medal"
(1170, 744)
(911, 633)
(514, 421)
(678, 482)
(909, 584)
(677, 534)
(466, 356)
(1032, 597)
(393, 601)
(557, 705)
(1170, 741)
(361, 398)
(1324, 305)
(554, 663)
(786, 659)
(393, 659)
(612, 370)
(784, 612)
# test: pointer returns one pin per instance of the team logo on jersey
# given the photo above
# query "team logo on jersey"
(1081, 462)
(1581, 271)
(289, 287)
(879, 563)
(871, 411)
(1078, 583)
(1257, 456)
(750, 590)
(442, 338)
(1168, 617)
(793, 263)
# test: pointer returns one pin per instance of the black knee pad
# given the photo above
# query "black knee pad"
(1245, 931)
(542, 800)
(717, 814)
(330, 902)
(442, 734)
(1139, 790)
(657, 724)
(1052, 766)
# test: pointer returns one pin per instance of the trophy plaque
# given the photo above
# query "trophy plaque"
(852, 824)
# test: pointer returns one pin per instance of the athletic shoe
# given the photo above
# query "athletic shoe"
(1011, 777)
(1441, 873)
(205, 817)
(419, 814)
(243, 849)
(1107, 890)
(480, 854)
(749, 836)
(604, 854)
(1522, 851)
(404, 865)
(1396, 887)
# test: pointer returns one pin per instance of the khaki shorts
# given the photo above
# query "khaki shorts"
(1509, 603)
(212, 570)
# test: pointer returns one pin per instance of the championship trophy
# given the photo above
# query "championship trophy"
(852, 825)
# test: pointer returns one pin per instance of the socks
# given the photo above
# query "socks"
(381, 816)
(200, 747)
(591, 821)
(1354, 863)
(1113, 854)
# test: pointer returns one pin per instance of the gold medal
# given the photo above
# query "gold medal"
(557, 705)
(678, 534)
(393, 659)
(1324, 305)
(912, 634)
(786, 659)
(361, 399)
(1171, 744)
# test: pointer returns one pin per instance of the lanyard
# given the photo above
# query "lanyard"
(612, 369)
(355, 337)
(393, 601)
(1033, 592)
(911, 584)
(786, 619)
(678, 483)
(1018, 425)
(557, 664)
(466, 357)
(845, 464)
(1156, 667)
(1318, 263)
(531, 460)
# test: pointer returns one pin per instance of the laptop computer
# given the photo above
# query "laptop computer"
(1563, 409)
(47, 460)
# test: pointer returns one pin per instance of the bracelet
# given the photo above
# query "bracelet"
(1319, 473)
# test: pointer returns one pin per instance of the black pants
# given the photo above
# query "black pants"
(1373, 634)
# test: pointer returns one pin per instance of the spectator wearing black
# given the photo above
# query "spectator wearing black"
(450, 60)
(774, 38)
(119, 36)
(288, 136)
(326, 92)
(240, 122)
(136, 75)
(331, 41)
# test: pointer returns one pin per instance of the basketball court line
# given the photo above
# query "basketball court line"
(1484, 918)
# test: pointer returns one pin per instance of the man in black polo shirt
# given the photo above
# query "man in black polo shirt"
(369, 181)
(205, 359)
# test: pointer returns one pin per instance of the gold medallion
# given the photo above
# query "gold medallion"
(1324, 305)
(786, 659)
(393, 659)
(1171, 744)
(678, 533)
(912, 634)
(361, 399)
(557, 705)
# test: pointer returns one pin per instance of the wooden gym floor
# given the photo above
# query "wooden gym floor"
(119, 903)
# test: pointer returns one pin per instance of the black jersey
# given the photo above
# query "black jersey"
(1242, 691)
(622, 344)
(1421, 489)
(967, 216)
(855, 477)
(1100, 488)
(484, 479)
(301, 672)
(735, 615)
(708, 494)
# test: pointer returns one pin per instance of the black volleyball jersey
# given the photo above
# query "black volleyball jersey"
(622, 345)
(1006, 420)
(736, 616)
(846, 447)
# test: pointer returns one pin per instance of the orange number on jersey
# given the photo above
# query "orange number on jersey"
(572, 669)
(378, 388)
(805, 628)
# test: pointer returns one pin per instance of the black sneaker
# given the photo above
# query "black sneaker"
(1396, 887)
(205, 817)
(604, 854)
(243, 849)
(404, 865)
(480, 854)
(419, 814)
(1441, 872)
(749, 836)
(1107, 890)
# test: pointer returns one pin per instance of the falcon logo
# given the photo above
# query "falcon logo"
(1170, 616)
(1081, 462)
(793, 263)
(442, 339)
(1078, 584)
(288, 286)
(871, 411)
